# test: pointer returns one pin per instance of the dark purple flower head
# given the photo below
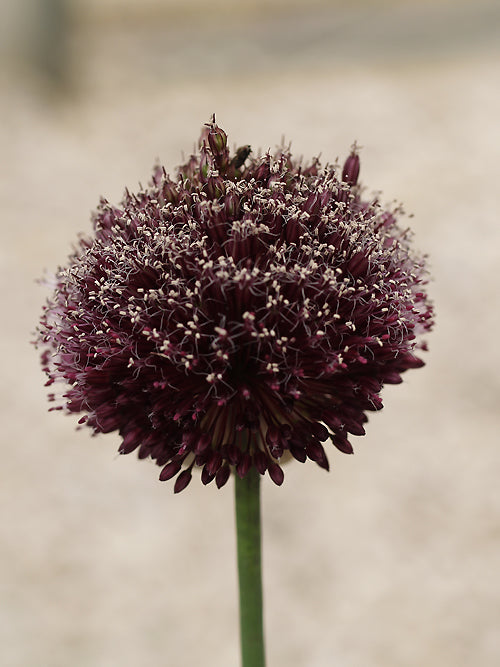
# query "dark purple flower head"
(242, 313)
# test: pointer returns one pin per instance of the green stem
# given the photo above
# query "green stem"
(247, 497)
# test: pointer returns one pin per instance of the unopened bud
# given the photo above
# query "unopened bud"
(350, 172)
(215, 187)
(217, 139)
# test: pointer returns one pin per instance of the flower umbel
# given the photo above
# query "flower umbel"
(246, 311)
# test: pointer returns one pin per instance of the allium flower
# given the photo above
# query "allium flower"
(242, 313)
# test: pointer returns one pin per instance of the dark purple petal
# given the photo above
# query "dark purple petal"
(222, 476)
(244, 465)
(170, 470)
(206, 477)
(320, 431)
(202, 443)
(276, 473)
(261, 461)
(214, 463)
(298, 453)
(342, 443)
(182, 480)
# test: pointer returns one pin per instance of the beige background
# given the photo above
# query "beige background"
(392, 559)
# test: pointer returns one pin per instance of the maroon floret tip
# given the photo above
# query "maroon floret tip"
(243, 313)
(350, 172)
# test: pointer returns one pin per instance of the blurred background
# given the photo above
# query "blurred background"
(390, 560)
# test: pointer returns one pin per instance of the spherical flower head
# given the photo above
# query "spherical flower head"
(240, 314)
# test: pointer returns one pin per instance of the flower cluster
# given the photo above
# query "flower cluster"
(244, 312)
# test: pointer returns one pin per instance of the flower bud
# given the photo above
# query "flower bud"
(217, 140)
(350, 172)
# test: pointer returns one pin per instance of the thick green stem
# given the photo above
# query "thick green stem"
(247, 497)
